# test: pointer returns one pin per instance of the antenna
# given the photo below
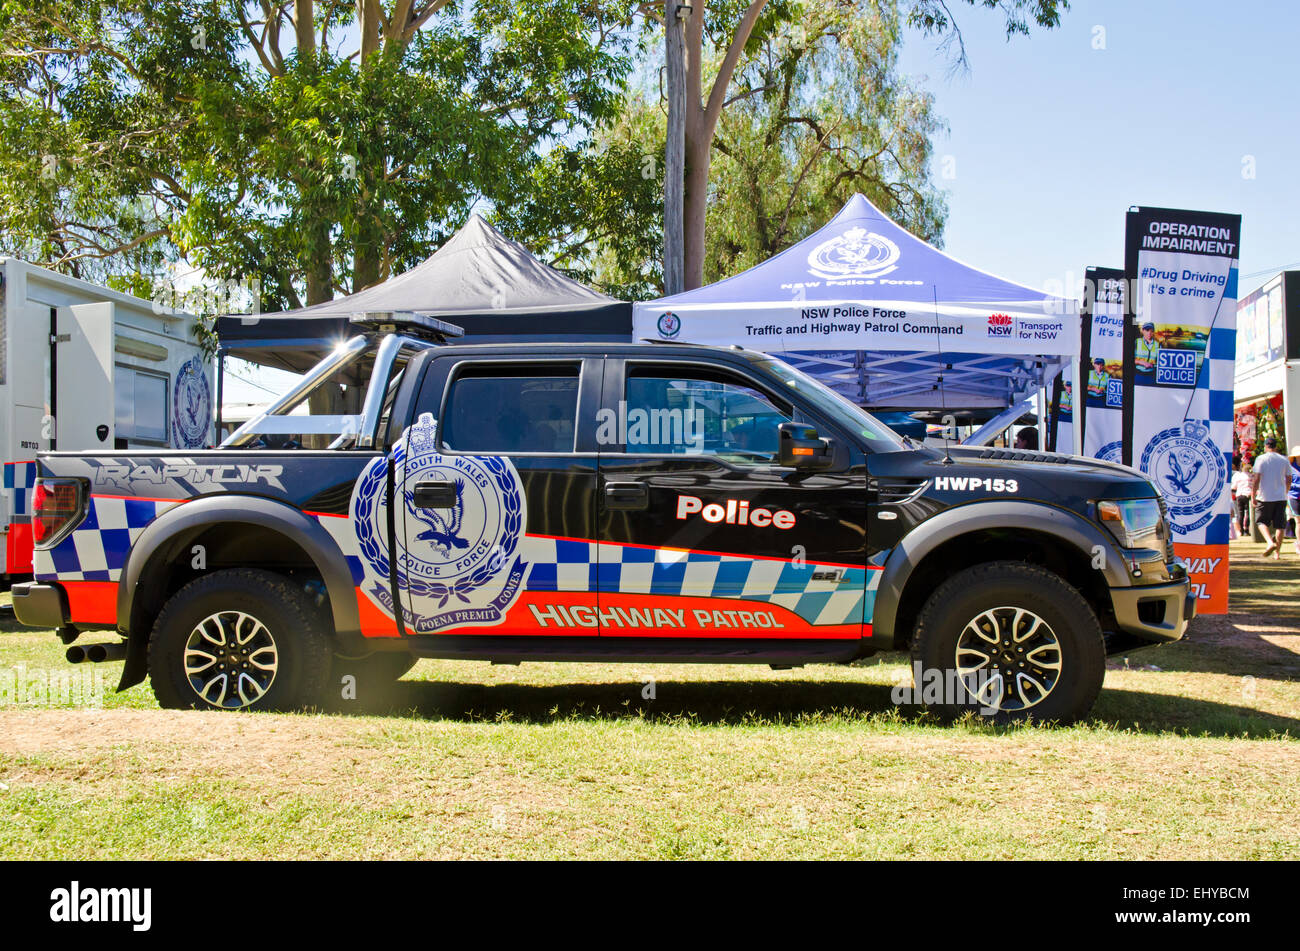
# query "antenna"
(938, 340)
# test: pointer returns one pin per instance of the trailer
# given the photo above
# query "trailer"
(83, 367)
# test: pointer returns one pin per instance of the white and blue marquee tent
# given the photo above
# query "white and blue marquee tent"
(882, 317)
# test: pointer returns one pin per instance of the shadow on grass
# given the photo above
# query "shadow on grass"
(10, 625)
(1221, 645)
(1262, 586)
(745, 703)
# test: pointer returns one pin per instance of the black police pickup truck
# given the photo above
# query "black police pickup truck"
(569, 502)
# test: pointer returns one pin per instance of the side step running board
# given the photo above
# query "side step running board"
(644, 650)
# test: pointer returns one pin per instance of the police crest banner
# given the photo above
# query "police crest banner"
(1102, 364)
(1179, 349)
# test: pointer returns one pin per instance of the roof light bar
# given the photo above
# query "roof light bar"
(407, 322)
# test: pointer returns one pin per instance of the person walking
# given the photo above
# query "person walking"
(1240, 486)
(1293, 496)
(1272, 484)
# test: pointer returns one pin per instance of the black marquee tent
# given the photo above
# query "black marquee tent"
(479, 280)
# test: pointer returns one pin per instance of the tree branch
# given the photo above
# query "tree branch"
(718, 94)
(253, 41)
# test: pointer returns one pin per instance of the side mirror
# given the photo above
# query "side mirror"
(801, 448)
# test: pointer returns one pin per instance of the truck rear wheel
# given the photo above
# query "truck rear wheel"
(239, 639)
(1009, 641)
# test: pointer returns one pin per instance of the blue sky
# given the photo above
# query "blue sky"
(1052, 140)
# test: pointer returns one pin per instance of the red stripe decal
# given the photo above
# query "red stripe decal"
(575, 614)
(91, 601)
(18, 548)
(374, 622)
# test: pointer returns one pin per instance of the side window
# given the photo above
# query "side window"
(697, 412)
(507, 410)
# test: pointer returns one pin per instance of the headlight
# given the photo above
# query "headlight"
(1135, 523)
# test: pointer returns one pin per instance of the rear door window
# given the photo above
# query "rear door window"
(506, 410)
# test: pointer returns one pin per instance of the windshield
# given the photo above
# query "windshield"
(880, 438)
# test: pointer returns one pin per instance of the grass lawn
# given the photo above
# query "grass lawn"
(1192, 752)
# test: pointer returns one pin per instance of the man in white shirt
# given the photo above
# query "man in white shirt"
(1240, 485)
(1272, 481)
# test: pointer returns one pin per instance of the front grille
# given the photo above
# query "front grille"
(1168, 528)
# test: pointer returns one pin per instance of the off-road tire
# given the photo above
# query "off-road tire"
(303, 643)
(964, 596)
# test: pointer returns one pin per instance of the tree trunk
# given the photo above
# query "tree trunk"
(319, 264)
(366, 251)
(304, 27)
(674, 149)
(368, 23)
(696, 203)
(701, 122)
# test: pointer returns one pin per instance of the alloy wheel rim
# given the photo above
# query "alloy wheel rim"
(230, 660)
(1008, 659)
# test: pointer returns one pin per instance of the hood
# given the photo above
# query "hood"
(1055, 478)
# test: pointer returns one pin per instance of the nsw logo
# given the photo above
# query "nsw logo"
(856, 253)
(459, 567)
(1189, 469)
(1000, 325)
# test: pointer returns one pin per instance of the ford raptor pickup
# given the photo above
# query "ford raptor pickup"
(414, 496)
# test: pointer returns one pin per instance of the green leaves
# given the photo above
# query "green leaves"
(822, 113)
(196, 129)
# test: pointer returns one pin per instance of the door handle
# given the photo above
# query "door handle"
(626, 495)
(435, 495)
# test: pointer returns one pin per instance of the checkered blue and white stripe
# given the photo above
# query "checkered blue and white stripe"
(1222, 356)
(564, 564)
(559, 564)
(19, 480)
(96, 549)
(344, 534)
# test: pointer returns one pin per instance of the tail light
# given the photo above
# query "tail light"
(57, 507)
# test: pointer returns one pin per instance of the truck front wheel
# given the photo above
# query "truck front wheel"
(1008, 641)
(239, 639)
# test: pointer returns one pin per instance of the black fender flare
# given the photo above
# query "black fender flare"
(168, 535)
(1071, 528)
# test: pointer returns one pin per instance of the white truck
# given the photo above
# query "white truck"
(83, 367)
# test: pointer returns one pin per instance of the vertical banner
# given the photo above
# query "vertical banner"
(1102, 364)
(1060, 421)
(1180, 345)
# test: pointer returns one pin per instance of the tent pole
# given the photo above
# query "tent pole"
(1041, 399)
(1077, 412)
(221, 379)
